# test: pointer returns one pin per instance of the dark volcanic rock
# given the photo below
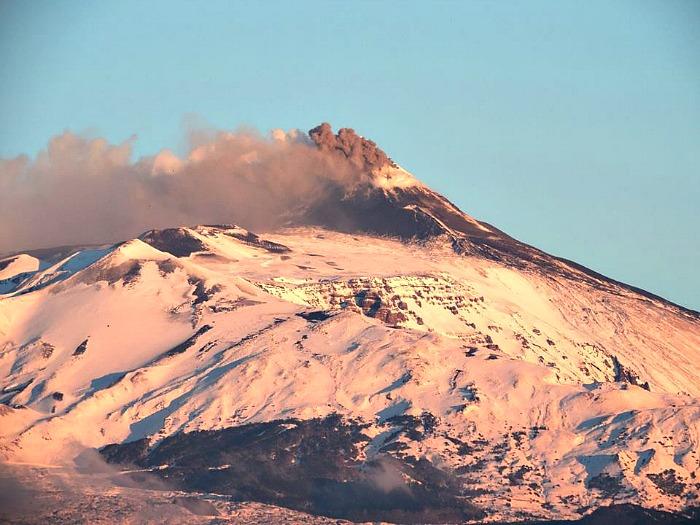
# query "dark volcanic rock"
(625, 375)
(187, 343)
(254, 240)
(175, 241)
(373, 210)
(304, 465)
(607, 484)
(668, 482)
(315, 316)
(81, 349)
(201, 293)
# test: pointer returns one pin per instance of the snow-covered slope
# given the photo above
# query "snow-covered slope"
(385, 357)
(15, 269)
(540, 394)
(13, 266)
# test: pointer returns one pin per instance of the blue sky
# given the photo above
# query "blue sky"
(573, 126)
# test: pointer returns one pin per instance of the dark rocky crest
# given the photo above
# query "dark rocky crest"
(175, 241)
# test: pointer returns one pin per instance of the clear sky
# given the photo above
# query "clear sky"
(573, 126)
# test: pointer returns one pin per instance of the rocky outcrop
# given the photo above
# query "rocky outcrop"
(175, 241)
(308, 465)
(81, 348)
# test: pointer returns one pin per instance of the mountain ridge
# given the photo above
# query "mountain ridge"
(404, 362)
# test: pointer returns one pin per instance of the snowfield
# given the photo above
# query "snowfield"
(542, 394)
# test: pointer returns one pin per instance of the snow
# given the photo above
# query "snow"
(389, 177)
(489, 350)
(36, 274)
(21, 263)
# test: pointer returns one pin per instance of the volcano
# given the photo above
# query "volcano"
(383, 357)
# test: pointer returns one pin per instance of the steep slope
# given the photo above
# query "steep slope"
(391, 202)
(386, 357)
(526, 394)
(15, 269)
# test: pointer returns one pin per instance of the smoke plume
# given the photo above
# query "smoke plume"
(83, 191)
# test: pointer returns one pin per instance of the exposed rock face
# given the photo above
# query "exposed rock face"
(175, 241)
(81, 349)
(310, 465)
(253, 240)
(363, 153)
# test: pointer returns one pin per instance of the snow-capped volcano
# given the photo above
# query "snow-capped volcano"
(385, 357)
(387, 200)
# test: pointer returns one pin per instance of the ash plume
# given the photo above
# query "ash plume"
(82, 191)
(361, 152)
